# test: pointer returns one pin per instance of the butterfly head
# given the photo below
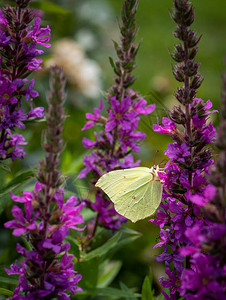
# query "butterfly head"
(154, 171)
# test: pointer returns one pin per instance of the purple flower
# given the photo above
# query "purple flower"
(87, 143)
(164, 238)
(163, 216)
(37, 112)
(7, 89)
(40, 36)
(178, 152)
(30, 92)
(107, 215)
(128, 137)
(140, 108)
(128, 162)
(27, 197)
(119, 114)
(4, 40)
(168, 126)
(202, 279)
(3, 21)
(70, 214)
(93, 118)
(23, 223)
(90, 162)
(172, 281)
(14, 119)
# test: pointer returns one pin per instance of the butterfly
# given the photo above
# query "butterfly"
(135, 192)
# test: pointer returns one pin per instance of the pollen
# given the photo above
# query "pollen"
(118, 116)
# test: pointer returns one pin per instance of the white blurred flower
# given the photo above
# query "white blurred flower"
(82, 73)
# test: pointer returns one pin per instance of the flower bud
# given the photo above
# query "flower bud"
(196, 81)
(177, 115)
(191, 68)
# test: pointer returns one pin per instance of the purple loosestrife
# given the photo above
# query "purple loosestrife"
(186, 189)
(113, 145)
(47, 271)
(20, 34)
(206, 278)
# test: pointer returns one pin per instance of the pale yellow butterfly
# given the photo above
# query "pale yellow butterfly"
(135, 192)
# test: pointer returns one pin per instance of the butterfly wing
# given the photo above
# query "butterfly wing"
(140, 199)
(114, 182)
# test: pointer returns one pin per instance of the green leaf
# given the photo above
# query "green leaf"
(74, 245)
(4, 256)
(17, 180)
(15, 185)
(113, 66)
(112, 292)
(147, 292)
(70, 165)
(160, 297)
(49, 7)
(102, 250)
(5, 292)
(89, 270)
(108, 273)
(127, 236)
(115, 45)
(129, 65)
(130, 82)
(125, 288)
(8, 280)
(5, 167)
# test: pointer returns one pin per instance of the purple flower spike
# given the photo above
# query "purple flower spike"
(112, 145)
(18, 52)
(187, 213)
(48, 269)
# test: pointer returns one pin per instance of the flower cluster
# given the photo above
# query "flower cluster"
(47, 271)
(206, 278)
(190, 272)
(18, 59)
(113, 146)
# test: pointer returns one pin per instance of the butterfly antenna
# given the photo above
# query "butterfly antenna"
(155, 156)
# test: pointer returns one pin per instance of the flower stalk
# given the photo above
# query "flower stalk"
(47, 271)
(186, 190)
(19, 39)
(113, 145)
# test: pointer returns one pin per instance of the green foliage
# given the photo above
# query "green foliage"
(16, 185)
(110, 293)
(98, 271)
(108, 271)
(126, 289)
(49, 7)
(6, 292)
(147, 292)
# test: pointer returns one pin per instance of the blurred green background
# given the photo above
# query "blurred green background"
(82, 34)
